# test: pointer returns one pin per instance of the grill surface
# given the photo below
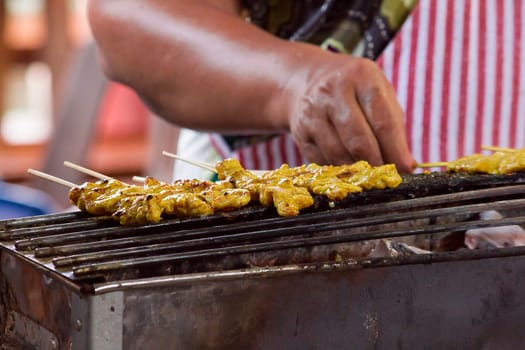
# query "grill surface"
(92, 250)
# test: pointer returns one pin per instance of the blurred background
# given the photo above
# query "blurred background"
(56, 105)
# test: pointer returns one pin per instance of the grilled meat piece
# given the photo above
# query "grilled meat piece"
(477, 163)
(512, 162)
(368, 177)
(136, 205)
(139, 210)
(185, 205)
(232, 171)
(101, 197)
(224, 199)
(496, 163)
(290, 189)
(196, 197)
(287, 198)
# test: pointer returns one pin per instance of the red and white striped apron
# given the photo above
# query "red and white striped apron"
(457, 68)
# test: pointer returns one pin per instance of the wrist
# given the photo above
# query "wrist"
(297, 67)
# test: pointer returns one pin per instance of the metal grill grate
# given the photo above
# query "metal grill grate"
(95, 249)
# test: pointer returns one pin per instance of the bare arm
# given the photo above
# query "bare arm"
(200, 65)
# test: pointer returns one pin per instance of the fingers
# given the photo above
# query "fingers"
(321, 131)
(386, 120)
(357, 138)
(330, 140)
(350, 114)
(311, 152)
(306, 136)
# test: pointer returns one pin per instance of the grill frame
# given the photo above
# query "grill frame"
(348, 303)
(375, 303)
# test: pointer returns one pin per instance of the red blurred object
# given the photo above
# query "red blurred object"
(122, 114)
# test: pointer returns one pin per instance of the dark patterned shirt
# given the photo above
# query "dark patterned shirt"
(357, 27)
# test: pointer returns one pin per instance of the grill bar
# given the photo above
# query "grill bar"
(349, 222)
(69, 237)
(168, 226)
(54, 229)
(86, 249)
(96, 269)
(46, 219)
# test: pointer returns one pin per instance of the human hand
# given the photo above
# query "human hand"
(348, 111)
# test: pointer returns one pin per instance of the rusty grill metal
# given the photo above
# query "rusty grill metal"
(89, 255)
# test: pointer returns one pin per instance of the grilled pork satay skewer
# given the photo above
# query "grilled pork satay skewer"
(288, 189)
(149, 203)
(446, 164)
(100, 198)
(80, 194)
(135, 204)
(476, 163)
(483, 147)
(496, 163)
(87, 197)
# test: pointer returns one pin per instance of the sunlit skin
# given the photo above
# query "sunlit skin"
(200, 65)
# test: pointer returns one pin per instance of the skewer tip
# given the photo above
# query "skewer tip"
(189, 161)
(141, 179)
(432, 165)
(51, 178)
(497, 149)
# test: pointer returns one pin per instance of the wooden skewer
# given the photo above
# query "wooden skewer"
(192, 162)
(432, 165)
(498, 149)
(206, 165)
(89, 171)
(86, 171)
(51, 178)
(141, 179)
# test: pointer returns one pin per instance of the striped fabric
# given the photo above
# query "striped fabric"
(457, 68)
(270, 154)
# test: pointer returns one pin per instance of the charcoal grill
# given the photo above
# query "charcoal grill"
(250, 280)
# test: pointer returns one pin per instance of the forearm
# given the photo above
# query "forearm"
(197, 65)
